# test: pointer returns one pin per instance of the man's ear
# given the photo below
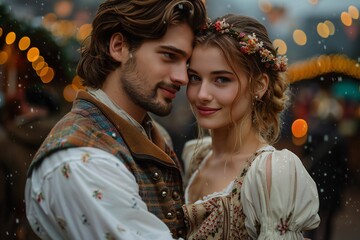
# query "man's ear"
(117, 47)
(263, 85)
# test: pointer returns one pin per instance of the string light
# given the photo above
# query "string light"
(311, 68)
(39, 64)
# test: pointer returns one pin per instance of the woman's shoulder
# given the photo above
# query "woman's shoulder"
(195, 151)
(285, 157)
(275, 159)
(198, 141)
(277, 155)
(196, 146)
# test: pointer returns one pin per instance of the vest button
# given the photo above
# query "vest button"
(164, 193)
(179, 214)
(169, 215)
(176, 195)
(156, 176)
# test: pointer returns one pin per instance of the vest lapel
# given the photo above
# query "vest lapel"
(140, 146)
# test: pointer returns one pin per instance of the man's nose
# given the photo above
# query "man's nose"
(179, 74)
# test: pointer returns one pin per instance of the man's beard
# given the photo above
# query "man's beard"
(133, 82)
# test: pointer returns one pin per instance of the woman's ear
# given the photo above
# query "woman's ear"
(263, 85)
(117, 47)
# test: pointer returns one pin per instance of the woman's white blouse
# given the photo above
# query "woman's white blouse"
(290, 207)
(293, 202)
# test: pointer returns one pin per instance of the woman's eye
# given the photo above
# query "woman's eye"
(222, 80)
(193, 78)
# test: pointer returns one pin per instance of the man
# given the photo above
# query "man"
(105, 170)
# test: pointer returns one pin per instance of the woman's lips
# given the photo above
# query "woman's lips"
(206, 111)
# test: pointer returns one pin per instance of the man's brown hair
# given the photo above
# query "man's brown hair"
(138, 21)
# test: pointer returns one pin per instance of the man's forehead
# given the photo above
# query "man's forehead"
(179, 37)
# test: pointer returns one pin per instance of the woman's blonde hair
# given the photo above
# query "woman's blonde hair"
(266, 112)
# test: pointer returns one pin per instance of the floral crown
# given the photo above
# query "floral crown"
(250, 45)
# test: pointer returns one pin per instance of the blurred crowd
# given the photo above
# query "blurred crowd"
(26, 119)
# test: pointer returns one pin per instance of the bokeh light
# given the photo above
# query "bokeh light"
(33, 54)
(281, 46)
(76, 82)
(41, 66)
(10, 38)
(346, 19)
(299, 37)
(24, 43)
(265, 6)
(331, 27)
(49, 19)
(63, 8)
(84, 32)
(48, 76)
(38, 63)
(353, 11)
(299, 128)
(3, 57)
(43, 71)
(63, 29)
(323, 30)
(69, 93)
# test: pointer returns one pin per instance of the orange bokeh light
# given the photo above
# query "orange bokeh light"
(10, 38)
(33, 54)
(69, 93)
(299, 128)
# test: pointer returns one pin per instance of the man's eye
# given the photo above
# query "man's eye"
(169, 55)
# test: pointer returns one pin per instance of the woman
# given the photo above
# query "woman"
(240, 186)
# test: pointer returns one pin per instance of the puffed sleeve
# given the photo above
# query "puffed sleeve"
(290, 206)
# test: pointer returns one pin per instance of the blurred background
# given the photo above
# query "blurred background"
(39, 42)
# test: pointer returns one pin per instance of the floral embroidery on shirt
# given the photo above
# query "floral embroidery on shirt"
(66, 170)
(61, 222)
(134, 205)
(85, 157)
(98, 194)
(120, 228)
(108, 236)
(40, 197)
(37, 227)
(283, 227)
(84, 220)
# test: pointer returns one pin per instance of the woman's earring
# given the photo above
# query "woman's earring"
(255, 100)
